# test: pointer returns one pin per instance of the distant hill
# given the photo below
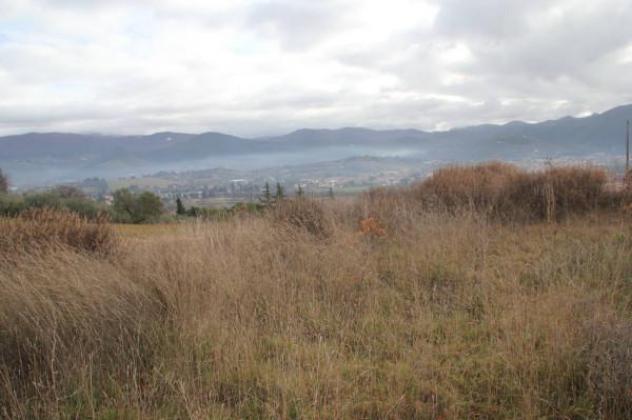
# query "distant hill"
(41, 158)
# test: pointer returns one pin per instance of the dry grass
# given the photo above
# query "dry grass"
(627, 181)
(39, 229)
(400, 312)
(146, 231)
(304, 214)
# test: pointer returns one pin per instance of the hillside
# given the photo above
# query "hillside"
(40, 158)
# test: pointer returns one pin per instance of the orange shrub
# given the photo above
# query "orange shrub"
(372, 227)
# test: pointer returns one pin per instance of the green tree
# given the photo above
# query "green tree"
(149, 206)
(280, 194)
(136, 208)
(180, 210)
(267, 195)
(123, 205)
(4, 183)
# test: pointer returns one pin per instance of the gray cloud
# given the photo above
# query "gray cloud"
(256, 67)
(296, 24)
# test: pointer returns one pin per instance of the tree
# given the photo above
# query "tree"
(180, 210)
(331, 193)
(136, 208)
(267, 196)
(299, 191)
(123, 203)
(193, 211)
(68, 191)
(4, 183)
(280, 194)
(149, 206)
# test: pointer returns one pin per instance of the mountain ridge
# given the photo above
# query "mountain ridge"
(58, 156)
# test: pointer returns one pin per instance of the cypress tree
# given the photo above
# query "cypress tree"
(267, 195)
(4, 183)
(279, 192)
(180, 209)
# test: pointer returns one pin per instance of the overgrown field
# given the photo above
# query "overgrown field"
(416, 303)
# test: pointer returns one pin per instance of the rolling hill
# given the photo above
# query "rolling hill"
(42, 158)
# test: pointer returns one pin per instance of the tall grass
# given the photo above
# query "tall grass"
(398, 312)
(37, 229)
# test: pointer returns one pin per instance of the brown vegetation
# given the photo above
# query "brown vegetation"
(38, 229)
(448, 314)
(627, 181)
(303, 214)
(508, 193)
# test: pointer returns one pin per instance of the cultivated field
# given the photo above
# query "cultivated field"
(483, 293)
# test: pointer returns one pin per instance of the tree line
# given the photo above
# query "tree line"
(126, 206)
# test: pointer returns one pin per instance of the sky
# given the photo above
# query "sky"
(255, 68)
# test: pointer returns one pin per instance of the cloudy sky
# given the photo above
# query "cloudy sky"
(254, 67)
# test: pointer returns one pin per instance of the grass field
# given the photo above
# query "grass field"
(378, 307)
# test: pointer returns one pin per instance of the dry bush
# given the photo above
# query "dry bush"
(37, 229)
(553, 194)
(508, 193)
(305, 214)
(476, 187)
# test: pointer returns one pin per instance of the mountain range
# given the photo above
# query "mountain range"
(45, 158)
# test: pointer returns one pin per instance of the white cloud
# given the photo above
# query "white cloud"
(255, 67)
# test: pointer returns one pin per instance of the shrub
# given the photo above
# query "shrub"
(553, 194)
(83, 207)
(476, 187)
(38, 229)
(12, 205)
(508, 193)
(67, 191)
(245, 209)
